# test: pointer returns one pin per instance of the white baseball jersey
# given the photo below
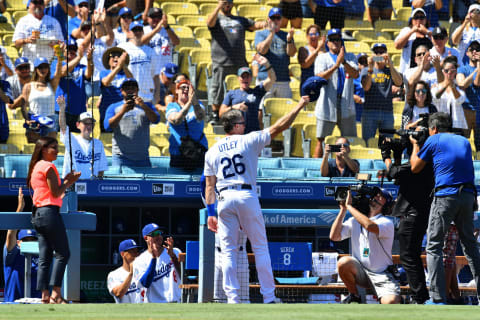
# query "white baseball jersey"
(82, 155)
(49, 30)
(144, 65)
(234, 159)
(116, 278)
(166, 280)
(161, 44)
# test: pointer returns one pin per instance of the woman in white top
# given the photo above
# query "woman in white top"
(419, 101)
(39, 94)
(411, 37)
(468, 31)
(447, 96)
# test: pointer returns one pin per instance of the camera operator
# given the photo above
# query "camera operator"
(371, 240)
(412, 206)
(454, 199)
(342, 165)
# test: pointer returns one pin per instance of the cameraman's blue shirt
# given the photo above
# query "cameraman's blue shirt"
(451, 156)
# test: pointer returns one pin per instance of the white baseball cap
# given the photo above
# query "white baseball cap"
(473, 7)
(85, 116)
(417, 10)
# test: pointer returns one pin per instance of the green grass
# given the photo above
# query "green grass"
(240, 312)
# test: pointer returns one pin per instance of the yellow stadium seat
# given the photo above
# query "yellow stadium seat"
(15, 5)
(295, 70)
(17, 15)
(396, 60)
(202, 80)
(159, 140)
(16, 125)
(207, 8)
(171, 19)
(17, 138)
(365, 153)
(106, 138)
(398, 107)
(6, 28)
(213, 138)
(310, 132)
(12, 52)
(183, 31)
(372, 142)
(248, 46)
(294, 84)
(208, 129)
(202, 33)
(354, 25)
(154, 151)
(108, 150)
(354, 141)
(7, 40)
(232, 82)
(165, 152)
(391, 48)
(397, 4)
(9, 18)
(240, 2)
(200, 2)
(249, 55)
(199, 57)
(253, 11)
(397, 120)
(305, 117)
(160, 128)
(356, 47)
(403, 14)
(297, 147)
(390, 25)
(192, 21)
(307, 22)
(9, 148)
(204, 43)
(359, 129)
(178, 8)
(372, 35)
(275, 108)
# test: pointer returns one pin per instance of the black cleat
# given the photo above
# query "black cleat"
(352, 298)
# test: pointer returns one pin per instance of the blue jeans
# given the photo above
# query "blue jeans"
(373, 120)
(459, 209)
(119, 161)
(52, 237)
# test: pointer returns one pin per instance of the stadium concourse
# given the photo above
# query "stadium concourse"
(143, 183)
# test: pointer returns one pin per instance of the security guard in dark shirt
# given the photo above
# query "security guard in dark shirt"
(412, 207)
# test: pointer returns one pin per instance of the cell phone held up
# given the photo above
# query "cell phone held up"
(335, 148)
(378, 59)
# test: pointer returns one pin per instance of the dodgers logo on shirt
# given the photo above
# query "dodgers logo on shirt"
(251, 98)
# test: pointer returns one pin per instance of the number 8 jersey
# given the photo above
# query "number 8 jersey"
(234, 159)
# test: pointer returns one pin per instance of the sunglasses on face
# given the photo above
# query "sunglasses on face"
(83, 5)
(43, 66)
(129, 87)
(115, 55)
(155, 233)
(420, 54)
(421, 91)
(156, 17)
(53, 146)
(449, 70)
(314, 34)
(377, 52)
(275, 17)
(183, 88)
(86, 29)
(23, 68)
(419, 17)
(343, 145)
(335, 39)
(439, 37)
(127, 16)
(140, 29)
(474, 49)
(37, 3)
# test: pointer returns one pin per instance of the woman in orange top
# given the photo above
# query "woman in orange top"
(48, 191)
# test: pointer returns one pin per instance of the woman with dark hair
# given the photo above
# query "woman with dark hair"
(48, 191)
(419, 101)
(308, 54)
(411, 37)
(40, 96)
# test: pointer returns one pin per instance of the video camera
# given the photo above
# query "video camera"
(363, 193)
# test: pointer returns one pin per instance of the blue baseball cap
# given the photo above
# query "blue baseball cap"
(149, 228)
(334, 32)
(311, 87)
(40, 60)
(78, 2)
(386, 194)
(135, 24)
(128, 81)
(26, 233)
(21, 61)
(242, 70)
(379, 45)
(170, 69)
(127, 245)
(71, 43)
(123, 11)
(274, 12)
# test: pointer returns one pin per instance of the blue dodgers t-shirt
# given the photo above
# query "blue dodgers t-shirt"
(276, 55)
(472, 92)
(72, 87)
(451, 156)
(251, 97)
(14, 273)
(110, 94)
(195, 128)
(327, 3)
(73, 23)
(4, 126)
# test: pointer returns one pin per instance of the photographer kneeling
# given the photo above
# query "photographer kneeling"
(413, 207)
(371, 241)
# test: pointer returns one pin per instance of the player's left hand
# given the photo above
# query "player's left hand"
(169, 245)
(212, 224)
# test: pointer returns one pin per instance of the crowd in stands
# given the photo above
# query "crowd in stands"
(99, 54)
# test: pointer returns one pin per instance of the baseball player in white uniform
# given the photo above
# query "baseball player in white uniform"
(157, 269)
(119, 281)
(231, 168)
(243, 273)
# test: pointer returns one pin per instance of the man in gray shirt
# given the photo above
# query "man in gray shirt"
(228, 47)
(130, 121)
(22, 75)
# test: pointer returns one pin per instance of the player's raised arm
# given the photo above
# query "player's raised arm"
(210, 182)
(286, 121)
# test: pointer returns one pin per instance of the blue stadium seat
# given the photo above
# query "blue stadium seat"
(379, 165)
(269, 163)
(192, 255)
(310, 163)
(314, 173)
(476, 165)
(113, 171)
(365, 164)
(160, 162)
(17, 162)
(59, 164)
(283, 173)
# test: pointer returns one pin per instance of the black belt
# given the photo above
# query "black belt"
(237, 187)
(461, 186)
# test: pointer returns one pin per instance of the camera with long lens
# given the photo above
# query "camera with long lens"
(395, 144)
(361, 193)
